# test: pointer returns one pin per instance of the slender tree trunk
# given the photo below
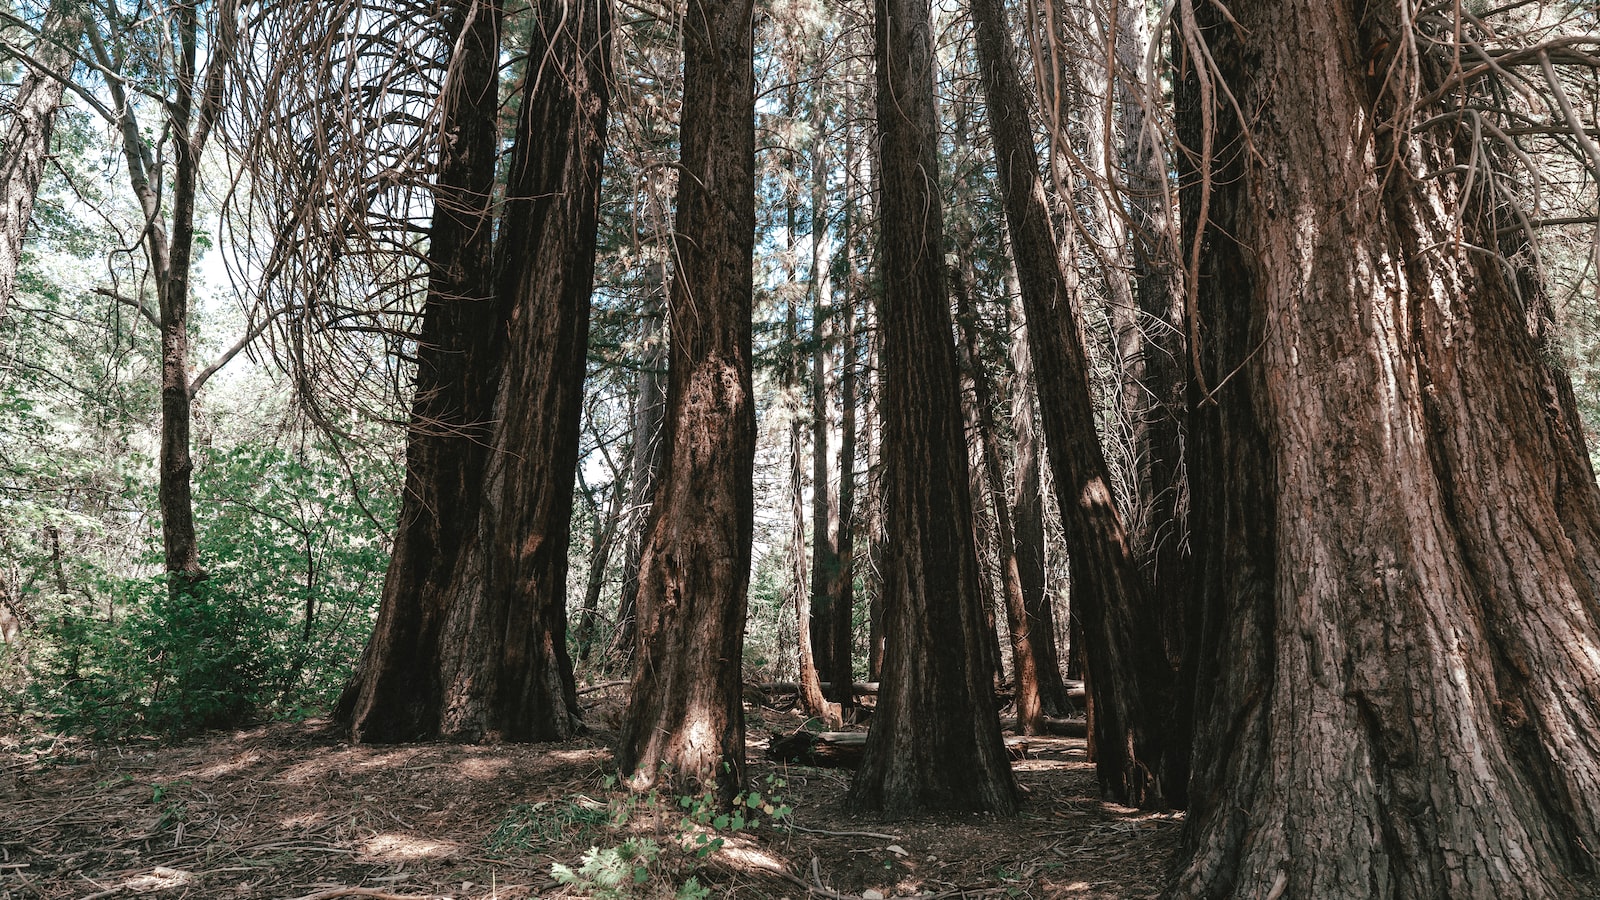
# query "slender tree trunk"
(935, 739)
(1398, 692)
(803, 598)
(605, 540)
(27, 136)
(1158, 410)
(646, 457)
(390, 697)
(685, 721)
(1132, 680)
(1024, 662)
(844, 586)
(1028, 518)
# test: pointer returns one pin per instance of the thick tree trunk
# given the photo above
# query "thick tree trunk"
(685, 722)
(935, 739)
(647, 454)
(1399, 688)
(503, 653)
(1028, 522)
(1131, 679)
(390, 696)
(27, 136)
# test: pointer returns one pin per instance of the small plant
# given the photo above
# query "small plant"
(525, 824)
(616, 873)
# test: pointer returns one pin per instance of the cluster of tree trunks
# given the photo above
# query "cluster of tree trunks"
(471, 636)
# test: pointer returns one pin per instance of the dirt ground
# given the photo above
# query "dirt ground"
(289, 810)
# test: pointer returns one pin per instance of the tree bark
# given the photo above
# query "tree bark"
(1399, 694)
(685, 722)
(646, 457)
(935, 740)
(503, 658)
(27, 136)
(605, 539)
(1131, 679)
(1028, 517)
(1024, 662)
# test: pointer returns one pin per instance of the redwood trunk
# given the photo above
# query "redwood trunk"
(685, 722)
(1399, 687)
(391, 697)
(935, 740)
(1128, 672)
(1028, 521)
(1024, 663)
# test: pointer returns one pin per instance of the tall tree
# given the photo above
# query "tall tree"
(1131, 680)
(1399, 693)
(28, 130)
(471, 637)
(686, 716)
(935, 739)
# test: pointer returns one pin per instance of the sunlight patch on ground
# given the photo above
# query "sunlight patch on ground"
(233, 765)
(393, 847)
(484, 769)
(316, 769)
(307, 820)
(160, 878)
(746, 856)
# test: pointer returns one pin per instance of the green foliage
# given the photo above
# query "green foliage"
(615, 873)
(297, 561)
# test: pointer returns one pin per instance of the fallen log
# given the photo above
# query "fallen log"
(1077, 728)
(842, 749)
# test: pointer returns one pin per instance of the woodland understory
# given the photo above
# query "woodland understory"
(799, 448)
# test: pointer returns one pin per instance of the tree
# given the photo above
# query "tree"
(1398, 692)
(27, 136)
(685, 719)
(471, 636)
(935, 738)
(1130, 680)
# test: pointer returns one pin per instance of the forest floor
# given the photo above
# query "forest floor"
(289, 810)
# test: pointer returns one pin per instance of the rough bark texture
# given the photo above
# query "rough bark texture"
(27, 136)
(1400, 683)
(391, 697)
(685, 722)
(502, 656)
(1129, 674)
(935, 739)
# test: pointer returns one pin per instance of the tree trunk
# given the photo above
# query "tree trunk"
(685, 722)
(1398, 692)
(1159, 409)
(503, 660)
(646, 457)
(605, 540)
(935, 739)
(390, 697)
(27, 136)
(1024, 671)
(1028, 522)
(807, 644)
(1131, 678)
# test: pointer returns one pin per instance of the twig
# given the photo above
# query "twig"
(372, 893)
(601, 686)
(869, 834)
